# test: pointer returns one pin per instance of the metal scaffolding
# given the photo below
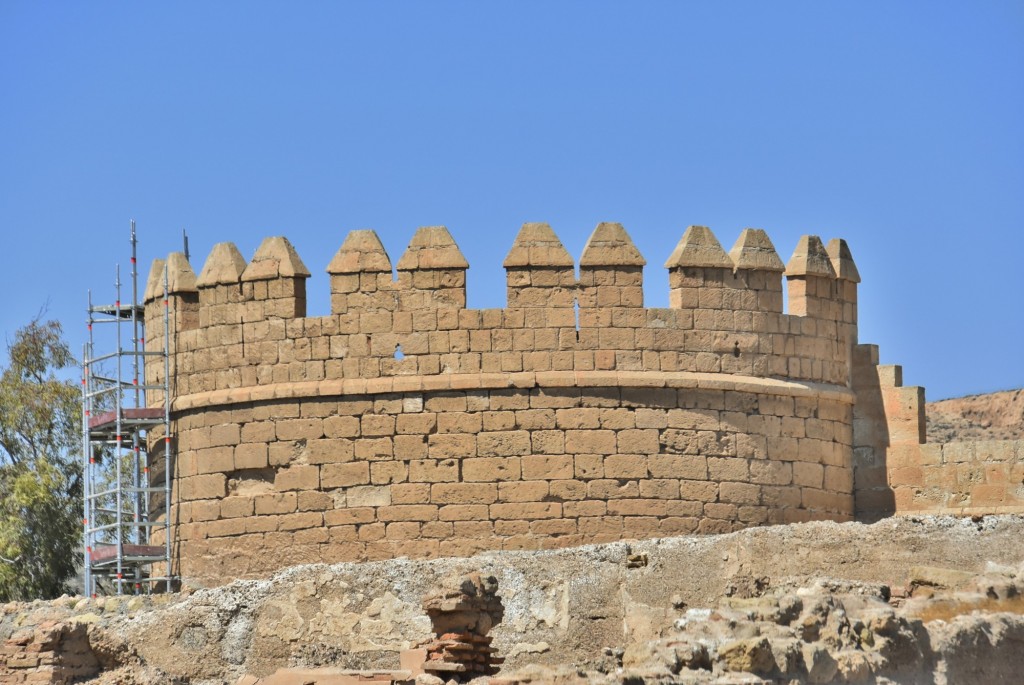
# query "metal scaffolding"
(126, 449)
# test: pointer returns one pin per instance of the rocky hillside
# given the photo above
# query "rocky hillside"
(907, 600)
(995, 416)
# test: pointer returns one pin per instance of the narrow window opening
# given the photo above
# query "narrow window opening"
(398, 352)
(736, 350)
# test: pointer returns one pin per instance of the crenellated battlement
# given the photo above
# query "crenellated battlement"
(404, 422)
(725, 315)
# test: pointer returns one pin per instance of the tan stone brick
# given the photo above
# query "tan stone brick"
(613, 489)
(584, 508)
(503, 444)
(678, 525)
(838, 479)
(578, 418)
(434, 471)
(250, 456)
(410, 493)
(463, 493)
(233, 507)
(297, 478)
(728, 469)
(301, 520)
(637, 507)
(536, 419)
(511, 528)
(459, 422)
(590, 442)
(403, 530)
(375, 426)
(369, 532)
(415, 424)
(374, 449)
(384, 472)
(771, 472)
(408, 447)
(553, 527)
(568, 489)
(225, 434)
(463, 512)
(315, 501)
(526, 510)
(659, 489)
(528, 491)
(437, 529)
(215, 460)
(473, 529)
(210, 486)
(808, 475)
(638, 441)
(451, 446)
(368, 496)
(206, 510)
(408, 512)
(300, 429)
(547, 467)
(276, 503)
(671, 466)
(625, 466)
(344, 475)
(225, 527)
(490, 469)
(739, 493)
(547, 442)
(588, 466)
(721, 511)
(596, 525)
(355, 516)
(698, 490)
(341, 427)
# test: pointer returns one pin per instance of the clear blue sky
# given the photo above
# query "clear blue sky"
(899, 126)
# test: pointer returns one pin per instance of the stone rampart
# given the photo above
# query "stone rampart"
(404, 423)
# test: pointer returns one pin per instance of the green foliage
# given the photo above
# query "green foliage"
(40, 478)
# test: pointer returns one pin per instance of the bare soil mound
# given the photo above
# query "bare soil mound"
(993, 416)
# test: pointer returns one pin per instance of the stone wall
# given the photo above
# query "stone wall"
(404, 423)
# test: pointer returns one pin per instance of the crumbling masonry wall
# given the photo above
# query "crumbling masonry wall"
(404, 423)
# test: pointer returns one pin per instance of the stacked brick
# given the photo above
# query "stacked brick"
(405, 424)
(461, 618)
(52, 652)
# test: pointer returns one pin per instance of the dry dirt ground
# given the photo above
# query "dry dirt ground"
(995, 416)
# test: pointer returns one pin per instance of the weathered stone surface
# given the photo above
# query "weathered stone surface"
(432, 247)
(537, 245)
(362, 251)
(275, 258)
(610, 245)
(698, 247)
(224, 265)
(754, 250)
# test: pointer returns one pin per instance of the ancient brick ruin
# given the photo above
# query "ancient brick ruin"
(405, 424)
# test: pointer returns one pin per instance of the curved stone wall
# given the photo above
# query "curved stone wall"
(405, 424)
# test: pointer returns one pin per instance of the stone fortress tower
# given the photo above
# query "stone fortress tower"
(405, 424)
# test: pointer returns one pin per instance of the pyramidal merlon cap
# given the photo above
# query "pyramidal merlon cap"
(275, 258)
(698, 248)
(223, 266)
(432, 247)
(810, 259)
(842, 260)
(754, 250)
(180, 277)
(537, 245)
(155, 281)
(610, 245)
(362, 251)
